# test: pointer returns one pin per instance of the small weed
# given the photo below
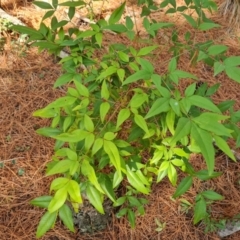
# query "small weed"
(21, 172)
(160, 226)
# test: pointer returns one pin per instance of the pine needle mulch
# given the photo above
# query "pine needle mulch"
(26, 84)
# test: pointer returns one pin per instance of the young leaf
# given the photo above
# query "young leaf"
(88, 123)
(104, 91)
(159, 106)
(211, 195)
(58, 200)
(60, 167)
(190, 20)
(136, 182)
(131, 218)
(48, 131)
(146, 50)
(142, 74)
(61, 102)
(233, 73)
(183, 129)
(83, 91)
(95, 198)
(204, 141)
(63, 79)
(74, 191)
(222, 144)
(207, 25)
(46, 223)
(107, 186)
(113, 153)
(58, 183)
(200, 210)
(89, 171)
(42, 201)
(140, 121)
(123, 115)
(74, 136)
(204, 103)
(117, 14)
(183, 186)
(98, 143)
(65, 214)
(104, 108)
(172, 174)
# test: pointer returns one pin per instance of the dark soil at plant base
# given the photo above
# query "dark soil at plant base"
(26, 80)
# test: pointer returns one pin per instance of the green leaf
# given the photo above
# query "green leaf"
(217, 49)
(172, 65)
(183, 74)
(58, 200)
(63, 79)
(42, 201)
(142, 74)
(107, 72)
(204, 141)
(207, 122)
(232, 61)
(146, 66)
(46, 223)
(60, 167)
(140, 121)
(45, 113)
(204, 175)
(107, 186)
(113, 153)
(233, 73)
(73, 189)
(117, 14)
(104, 108)
(121, 74)
(74, 136)
(222, 144)
(136, 182)
(95, 198)
(123, 115)
(207, 25)
(218, 68)
(120, 201)
(48, 14)
(104, 91)
(123, 56)
(83, 91)
(190, 90)
(48, 131)
(88, 123)
(35, 35)
(98, 144)
(172, 174)
(62, 102)
(72, 4)
(58, 183)
(65, 214)
(200, 210)
(129, 23)
(159, 106)
(137, 100)
(183, 186)
(204, 103)
(190, 20)
(211, 195)
(89, 171)
(183, 129)
(98, 37)
(225, 105)
(131, 218)
(109, 136)
(146, 50)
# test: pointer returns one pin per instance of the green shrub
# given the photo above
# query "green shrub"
(122, 121)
